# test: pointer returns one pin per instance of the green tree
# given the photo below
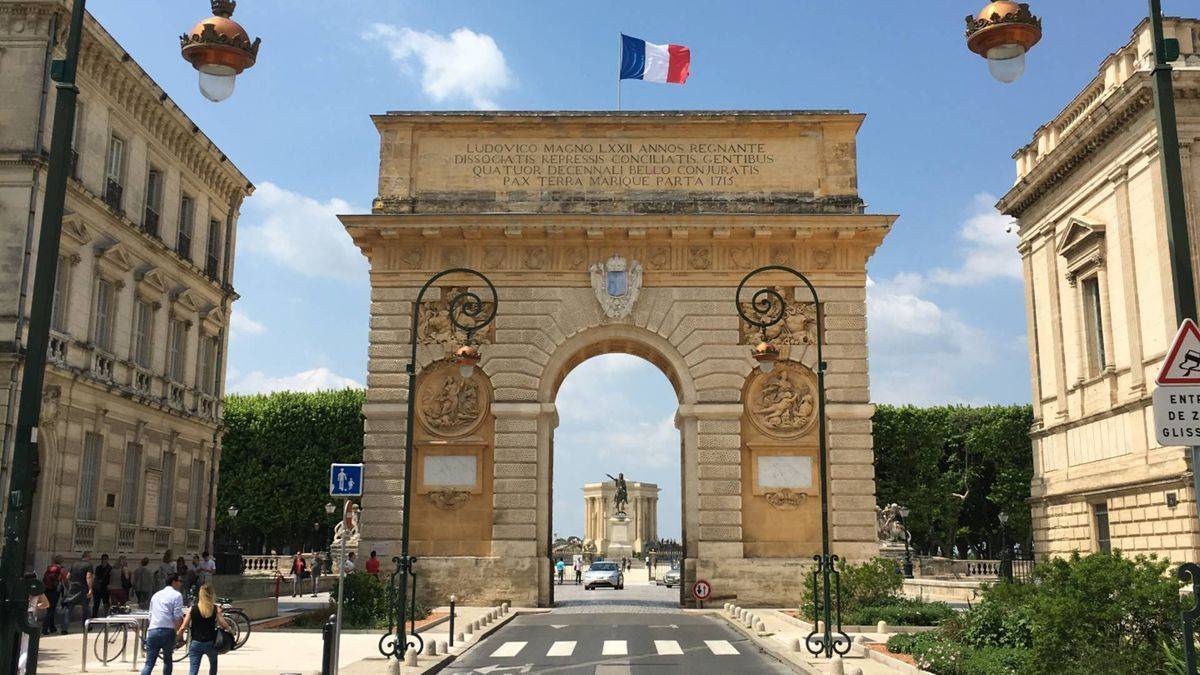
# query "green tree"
(275, 460)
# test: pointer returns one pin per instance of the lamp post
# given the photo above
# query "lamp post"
(1006, 571)
(470, 314)
(908, 563)
(770, 308)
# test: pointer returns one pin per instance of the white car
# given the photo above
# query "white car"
(604, 573)
(671, 578)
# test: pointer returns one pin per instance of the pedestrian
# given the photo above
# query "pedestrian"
(188, 579)
(298, 568)
(316, 573)
(52, 586)
(203, 618)
(101, 578)
(122, 583)
(165, 569)
(79, 589)
(578, 571)
(348, 565)
(209, 567)
(166, 615)
(372, 565)
(197, 575)
(559, 567)
(38, 602)
(143, 584)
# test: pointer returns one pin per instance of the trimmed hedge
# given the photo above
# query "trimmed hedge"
(871, 593)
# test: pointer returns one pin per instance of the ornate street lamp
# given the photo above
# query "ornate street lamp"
(330, 508)
(1006, 570)
(908, 563)
(468, 313)
(232, 511)
(1003, 32)
(769, 308)
(220, 50)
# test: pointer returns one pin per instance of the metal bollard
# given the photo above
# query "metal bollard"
(327, 648)
(452, 599)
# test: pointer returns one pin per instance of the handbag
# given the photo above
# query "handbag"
(224, 641)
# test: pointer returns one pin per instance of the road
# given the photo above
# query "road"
(639, 630)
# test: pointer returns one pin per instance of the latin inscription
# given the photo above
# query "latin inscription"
(607, 165)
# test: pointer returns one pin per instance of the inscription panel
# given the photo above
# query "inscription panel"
(785, 472)
(722, 164)
(450, 471)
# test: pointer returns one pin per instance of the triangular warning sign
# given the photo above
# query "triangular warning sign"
(1182, 366)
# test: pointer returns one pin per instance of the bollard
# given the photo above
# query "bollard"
(821, 627)
(327, 645)
(443, 647)
(393, 667)
(431, 648)
(452, 599)
(859, 639)
(854, 671)
(881, 627)
(835, 666)
(797, 646)
(459, 637)
(505, 606)
(410, 657)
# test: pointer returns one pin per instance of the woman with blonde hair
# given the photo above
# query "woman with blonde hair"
(203, 618)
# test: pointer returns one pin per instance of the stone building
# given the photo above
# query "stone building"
(131, 418)
(642, 511)
(1100, 308)
(616, 232)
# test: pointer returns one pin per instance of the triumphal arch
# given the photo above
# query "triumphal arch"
(617, 232)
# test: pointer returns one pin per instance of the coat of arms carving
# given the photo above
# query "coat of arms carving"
(617, 284)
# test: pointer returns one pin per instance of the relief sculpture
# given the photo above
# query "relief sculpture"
(449, 405)
(783, 403)
(434, 327)
(798, 327)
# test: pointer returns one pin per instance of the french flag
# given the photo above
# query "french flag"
(641, 60)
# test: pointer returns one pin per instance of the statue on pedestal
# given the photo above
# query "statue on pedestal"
(621, 498)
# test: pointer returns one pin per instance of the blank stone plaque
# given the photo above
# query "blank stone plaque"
(785, 472)
(450, 470)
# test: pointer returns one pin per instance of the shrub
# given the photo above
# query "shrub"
(872, 583)
(937, 653)
(901, 612)
(1004, 617)
(366, 602)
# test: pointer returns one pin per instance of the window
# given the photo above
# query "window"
(208, 365)
(187, 214)
(114, 171)
(176, 349)
(1103, 542)
(62, 281)
(196, 498)
(1093, 326)
(143, 326)
(76, 137)
(106, 310)
(214, 242)
(166, 492)
(89, 476)
(131, 481)
(154, 195)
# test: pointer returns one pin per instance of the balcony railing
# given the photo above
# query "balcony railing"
(162, 537)
(193, 540)
(266, 564)
(175, 394)
(85, 536)
(206, 407)
(102, 366)
(150, 222)
(126, 538)
(113, 193)
(57, 350)
(141, 381)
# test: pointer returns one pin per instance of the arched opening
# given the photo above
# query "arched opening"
(616, 399)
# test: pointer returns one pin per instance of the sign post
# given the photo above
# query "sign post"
(345, 481)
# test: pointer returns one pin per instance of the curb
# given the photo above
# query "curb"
(766, 644)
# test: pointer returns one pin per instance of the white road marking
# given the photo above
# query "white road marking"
(615, 648)
(561, 649)
(667, 647)
(721, 647)
(509, 649)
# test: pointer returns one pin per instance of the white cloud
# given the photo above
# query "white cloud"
(317, 379)
(240, 324)
(301, 234)
(462, 66)
(991, 251)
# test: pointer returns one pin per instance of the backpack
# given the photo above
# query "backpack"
(52, 578)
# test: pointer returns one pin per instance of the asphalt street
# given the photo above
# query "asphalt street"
(604, 642)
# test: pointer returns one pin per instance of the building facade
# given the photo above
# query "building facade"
(1100, 308)
(129, 440)
(642, 511)
(609, 232)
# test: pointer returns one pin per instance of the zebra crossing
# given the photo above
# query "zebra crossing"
(565, 648)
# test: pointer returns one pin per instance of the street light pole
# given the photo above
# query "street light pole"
(770, 308)
(466, 312)
(908, 563)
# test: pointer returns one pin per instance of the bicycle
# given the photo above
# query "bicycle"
(238, 620)
(111, 641)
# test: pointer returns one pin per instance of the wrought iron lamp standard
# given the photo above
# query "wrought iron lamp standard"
(770, 308)
(469, 313)
(14, 588)
(908, 563)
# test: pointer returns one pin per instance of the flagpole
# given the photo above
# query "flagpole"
(620, 61)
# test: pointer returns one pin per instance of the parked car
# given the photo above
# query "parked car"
(671, 578)
(604, 573)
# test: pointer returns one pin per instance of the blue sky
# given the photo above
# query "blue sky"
(946, 308)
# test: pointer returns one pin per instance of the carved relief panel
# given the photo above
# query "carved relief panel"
(435, 328)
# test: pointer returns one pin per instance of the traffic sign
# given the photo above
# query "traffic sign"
(345, 480)
(1177, 415)
(701, 590)
(1182, 365)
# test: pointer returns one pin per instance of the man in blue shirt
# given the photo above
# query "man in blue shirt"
(166, 613)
